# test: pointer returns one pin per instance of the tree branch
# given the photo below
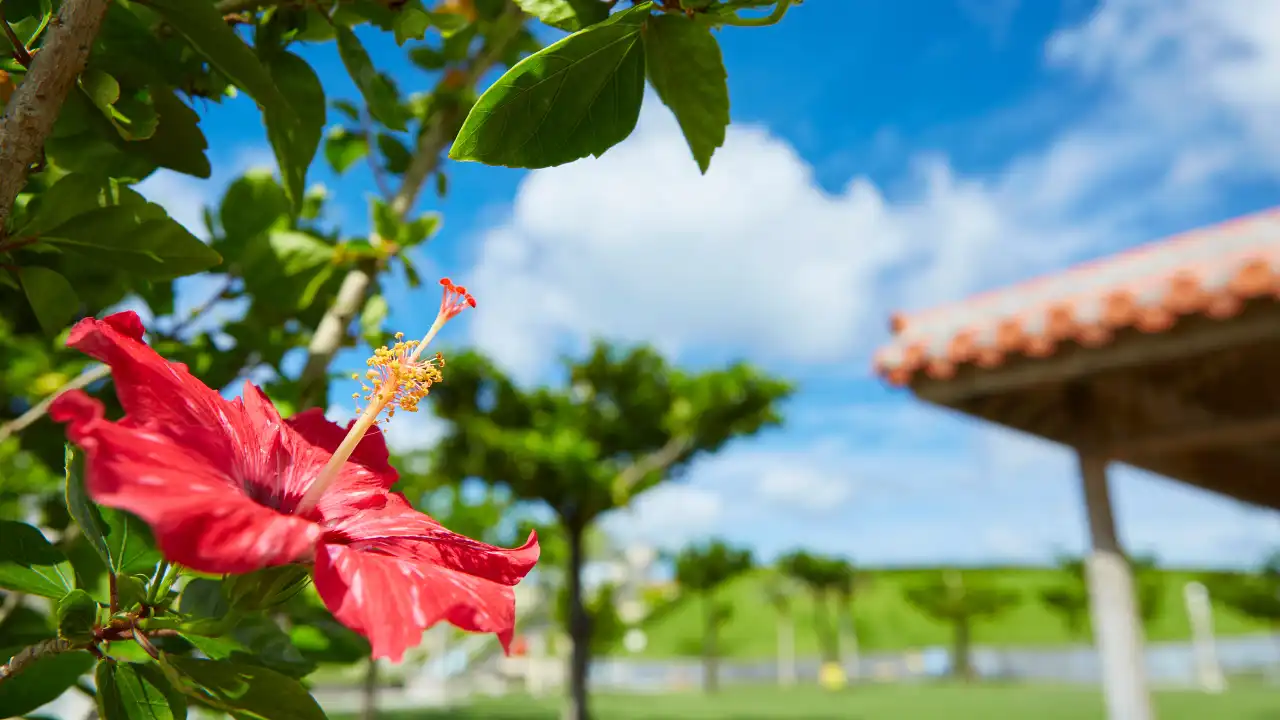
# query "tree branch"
(34, 106)
(354, 291)
(38, 410)
(117, 631)
(658, 460)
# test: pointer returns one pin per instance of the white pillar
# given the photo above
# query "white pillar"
(1200, 613)
(1117, 631)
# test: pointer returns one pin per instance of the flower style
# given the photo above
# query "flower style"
(228, 486)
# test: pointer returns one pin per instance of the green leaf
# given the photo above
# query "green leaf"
(178, 143)
(411, 24)
(136, 691)
(427, 57)
(348, 108)
(71, 195)
(123, 541)
(343, 148)
(51, 296)
(139, 237)
(442, 183)
(299, 252)
(379, 92)
(371, 319)
(31, 564)
(687, 71)
(568, 15)
(301, 86)
(448, 24)
(77, 614)
(210, 35)
(253, 204)
(386, 223)
(577, 97)
(41, 682)
(395, 153)
(132, 113)
(419, 230)
(245, 690)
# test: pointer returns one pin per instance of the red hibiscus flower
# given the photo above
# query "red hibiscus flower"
(228, 486)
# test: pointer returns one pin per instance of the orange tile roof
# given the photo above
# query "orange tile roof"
(1210, 271)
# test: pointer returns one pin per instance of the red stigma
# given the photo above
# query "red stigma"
(455, 299)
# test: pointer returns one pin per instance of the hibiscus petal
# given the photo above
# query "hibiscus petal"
(152, 390)
(201, 518)
(391, 573)
(371, 451)
(365, 477)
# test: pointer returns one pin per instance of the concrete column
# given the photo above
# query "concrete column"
(1117, 631)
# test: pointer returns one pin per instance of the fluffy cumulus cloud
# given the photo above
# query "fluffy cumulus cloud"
(755, 259)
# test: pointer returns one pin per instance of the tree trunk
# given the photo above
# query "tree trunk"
(827, 639)
(849, 640)
(786, 650)
(961, 662)
(579, 630)
(710, 651)
(369, 692)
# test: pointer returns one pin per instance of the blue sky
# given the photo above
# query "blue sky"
(883, 156)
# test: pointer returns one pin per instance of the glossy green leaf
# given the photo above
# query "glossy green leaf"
(136, 691)
(577, 97)
(138, 237)
(123, 541)
(343, 148)
(245, 690)
(569, 15)
(448, 23)
(301, 86)
(686, 69)
(52, 298)
(394, 152)
(378, 90)
(72, 195)
(77, 615)
(41, 682)
(299, 252)
(31, 564)
(203, 26)
(371, 319)
(178, 143)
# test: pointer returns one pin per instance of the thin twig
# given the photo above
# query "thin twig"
(354, 291)
(38, 410)
(124, 629)
(20, 52)
(31, 112)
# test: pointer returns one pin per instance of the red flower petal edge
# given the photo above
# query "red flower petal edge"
(219, 482)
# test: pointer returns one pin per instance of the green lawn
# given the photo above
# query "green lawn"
(886, 622)
(887, 702)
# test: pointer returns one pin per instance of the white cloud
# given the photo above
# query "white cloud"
(668, 517)
(754, 258)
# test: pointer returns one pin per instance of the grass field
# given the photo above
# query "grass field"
(899, 702)
(886, 622)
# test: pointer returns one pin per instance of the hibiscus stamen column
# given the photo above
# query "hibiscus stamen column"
(398, 378)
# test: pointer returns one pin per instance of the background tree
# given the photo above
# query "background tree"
(1256, 595)
(702, 570)
(960, 600)
(845, 583)
(780, 592)
(824, 578)
(1069, 597)
(628, 422)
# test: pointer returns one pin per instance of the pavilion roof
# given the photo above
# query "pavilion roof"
(1210, 272)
